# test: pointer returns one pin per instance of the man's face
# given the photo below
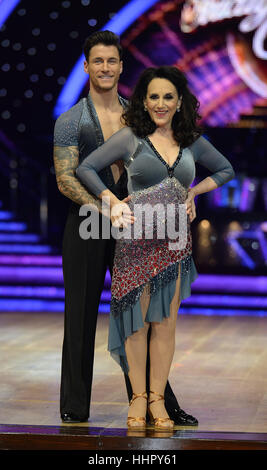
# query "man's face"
(104, 67)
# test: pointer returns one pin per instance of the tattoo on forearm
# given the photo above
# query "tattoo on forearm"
(66, 160)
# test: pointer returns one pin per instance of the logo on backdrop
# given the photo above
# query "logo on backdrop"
(197, 13)
(246, 52)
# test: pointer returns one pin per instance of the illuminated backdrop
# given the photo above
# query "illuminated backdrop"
(220, 47)
(41, 46)
(215, 57)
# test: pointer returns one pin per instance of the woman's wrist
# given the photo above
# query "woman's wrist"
(206, 185)
(193, 191)
(108, 197)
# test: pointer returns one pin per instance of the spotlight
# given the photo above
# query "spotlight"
(61, 80)
(21, 127)
(5, 67)
(31, 51)
(36, 31)
(48, 97)
(49, 72)
(21, 66)
(53, 15)
(5, 43)
(22, 12)
(234, 226)
(92, 22)
(28, 94)
(5, 114)
(17, 46)
(34, 77)
(205, 224)
(74, 34)
(51, 46)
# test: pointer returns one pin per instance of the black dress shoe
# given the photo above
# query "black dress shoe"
(181, 418)
(72, 418)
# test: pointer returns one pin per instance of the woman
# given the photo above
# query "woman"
(159, 147)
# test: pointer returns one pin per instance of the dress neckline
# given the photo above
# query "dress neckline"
(175, 163)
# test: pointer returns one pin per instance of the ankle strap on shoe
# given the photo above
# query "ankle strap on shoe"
(161, 397)
(138, 395)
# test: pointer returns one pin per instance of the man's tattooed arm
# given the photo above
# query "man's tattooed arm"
(66, 160)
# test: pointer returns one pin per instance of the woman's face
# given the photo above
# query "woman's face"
(161, 101)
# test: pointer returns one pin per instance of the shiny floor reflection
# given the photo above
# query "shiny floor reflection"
(218, 373)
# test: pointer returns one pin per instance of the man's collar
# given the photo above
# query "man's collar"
(122, 100)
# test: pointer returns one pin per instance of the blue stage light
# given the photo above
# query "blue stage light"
(77, 78)
(6, 8)
(43, 305)
(25, 248)
(12, 226)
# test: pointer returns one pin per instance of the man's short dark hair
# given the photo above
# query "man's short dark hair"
(108, 38)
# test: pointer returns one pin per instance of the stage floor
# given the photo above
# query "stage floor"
(218, 375)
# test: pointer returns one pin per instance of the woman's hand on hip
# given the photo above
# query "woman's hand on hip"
(190, 204)
(121, 214)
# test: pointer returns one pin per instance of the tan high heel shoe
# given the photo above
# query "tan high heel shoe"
(158, 423)
(137, 422)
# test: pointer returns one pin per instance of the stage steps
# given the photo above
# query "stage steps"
(31, 279)
(30, 270)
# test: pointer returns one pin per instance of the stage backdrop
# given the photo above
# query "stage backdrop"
(220, 45)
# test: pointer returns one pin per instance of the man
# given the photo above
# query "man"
(77, 133)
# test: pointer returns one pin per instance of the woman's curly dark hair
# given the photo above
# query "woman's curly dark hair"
(184, 123)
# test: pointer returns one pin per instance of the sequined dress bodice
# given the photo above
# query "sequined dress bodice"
(145, 168)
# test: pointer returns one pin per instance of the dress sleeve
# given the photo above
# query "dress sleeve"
(208, 156)
(119, 146)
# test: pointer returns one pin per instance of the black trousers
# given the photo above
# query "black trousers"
(84, 267)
